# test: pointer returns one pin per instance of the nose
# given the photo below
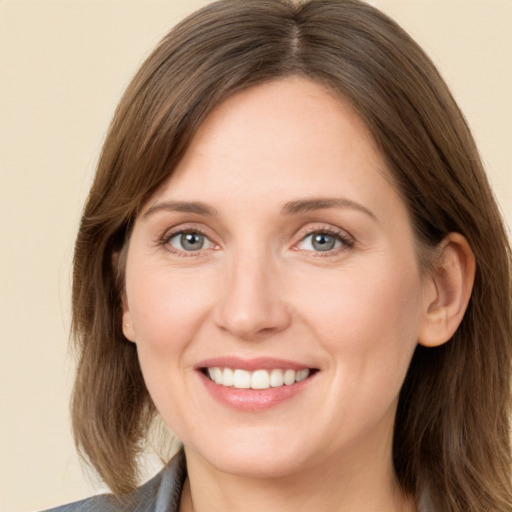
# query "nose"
(252, 304)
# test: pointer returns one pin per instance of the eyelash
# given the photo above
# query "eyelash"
(346, 241)
(165, 241)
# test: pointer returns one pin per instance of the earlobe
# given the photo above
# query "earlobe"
(451, 284)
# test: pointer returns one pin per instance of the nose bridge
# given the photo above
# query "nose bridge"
(252, 302)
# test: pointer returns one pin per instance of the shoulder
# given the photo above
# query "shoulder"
(105, 503)
(160, 494)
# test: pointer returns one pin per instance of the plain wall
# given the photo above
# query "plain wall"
(64, 65)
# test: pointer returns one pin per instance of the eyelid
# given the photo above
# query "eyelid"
(178, 237)
(189, 227)
(346, 238)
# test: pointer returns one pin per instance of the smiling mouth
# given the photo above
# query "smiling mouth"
(258, 379)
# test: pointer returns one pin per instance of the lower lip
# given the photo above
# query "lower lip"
(253, 400)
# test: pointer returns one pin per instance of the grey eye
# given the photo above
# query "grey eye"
(320, 242)
(323, 242)
(189, 241)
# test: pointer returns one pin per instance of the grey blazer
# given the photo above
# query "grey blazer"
(160, 494)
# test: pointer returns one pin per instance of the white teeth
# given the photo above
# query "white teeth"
(276, 378)
(228, 377)
(259, 379)
(301, 375)
(289, 377)
(241, 379)
(217, 375)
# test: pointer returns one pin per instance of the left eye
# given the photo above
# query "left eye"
(190, 241)
(320, 242)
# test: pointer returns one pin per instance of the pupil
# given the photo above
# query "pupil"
(323, 242)
(192, 241)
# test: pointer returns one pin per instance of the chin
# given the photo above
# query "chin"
(253, 459)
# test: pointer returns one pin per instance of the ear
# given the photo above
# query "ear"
(118, 266)
(128, 330)
(451, 283)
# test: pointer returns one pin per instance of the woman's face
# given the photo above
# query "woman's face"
(279, 261)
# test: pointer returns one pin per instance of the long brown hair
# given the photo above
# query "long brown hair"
(451, 438)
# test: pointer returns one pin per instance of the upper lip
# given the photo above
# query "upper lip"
(258, 363)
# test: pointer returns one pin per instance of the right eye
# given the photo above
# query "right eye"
(189, 241)
(321, 242)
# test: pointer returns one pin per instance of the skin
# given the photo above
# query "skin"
(260, 288)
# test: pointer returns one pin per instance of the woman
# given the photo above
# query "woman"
(292, 255)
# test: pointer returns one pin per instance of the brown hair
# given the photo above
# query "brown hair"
(452, 427)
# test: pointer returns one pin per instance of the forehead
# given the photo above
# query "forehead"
(291, 130)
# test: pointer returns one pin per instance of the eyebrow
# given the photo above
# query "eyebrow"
(313, 204)
(182, 206)
(290, 208)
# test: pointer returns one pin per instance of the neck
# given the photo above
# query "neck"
(328, 487)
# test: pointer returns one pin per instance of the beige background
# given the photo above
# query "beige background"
(64, 65)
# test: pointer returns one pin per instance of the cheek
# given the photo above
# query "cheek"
(369, 318)
(166, 307)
